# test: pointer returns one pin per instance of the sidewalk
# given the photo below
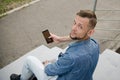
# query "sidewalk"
(20, 31)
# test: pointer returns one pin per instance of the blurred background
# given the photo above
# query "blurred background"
(21, 31)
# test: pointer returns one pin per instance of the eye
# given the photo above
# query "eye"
(80, 26)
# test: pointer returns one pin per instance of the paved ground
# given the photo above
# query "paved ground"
(20, 32)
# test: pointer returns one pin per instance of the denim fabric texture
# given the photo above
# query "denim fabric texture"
(77, 63)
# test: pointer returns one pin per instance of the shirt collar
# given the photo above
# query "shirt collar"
(79, 42)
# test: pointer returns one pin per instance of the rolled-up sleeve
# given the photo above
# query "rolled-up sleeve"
(62, 65)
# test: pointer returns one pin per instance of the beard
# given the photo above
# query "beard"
(77, 38)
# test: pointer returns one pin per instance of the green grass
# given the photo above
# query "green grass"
(6, 5)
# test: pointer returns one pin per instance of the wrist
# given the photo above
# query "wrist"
(65, 38)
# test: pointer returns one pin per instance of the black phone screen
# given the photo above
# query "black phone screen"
(46, 35)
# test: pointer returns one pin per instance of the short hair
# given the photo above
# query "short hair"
(90, 15)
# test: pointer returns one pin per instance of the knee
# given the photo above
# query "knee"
(29, 59)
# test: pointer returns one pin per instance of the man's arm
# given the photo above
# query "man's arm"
(61, 66)
(58, 39)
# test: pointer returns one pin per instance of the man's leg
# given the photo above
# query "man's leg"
(33, 66)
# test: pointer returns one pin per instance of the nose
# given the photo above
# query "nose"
(74, 28)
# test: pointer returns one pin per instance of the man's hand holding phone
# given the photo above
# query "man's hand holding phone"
(47, 35)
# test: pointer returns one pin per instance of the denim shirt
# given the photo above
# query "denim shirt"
(77, 63)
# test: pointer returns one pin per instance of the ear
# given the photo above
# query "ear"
(91, 32)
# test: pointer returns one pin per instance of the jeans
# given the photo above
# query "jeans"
(34, 66)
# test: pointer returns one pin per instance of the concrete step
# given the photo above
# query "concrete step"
(108, 67)
(112, 57)
(48, 54)
(55, 52)
(42, 53)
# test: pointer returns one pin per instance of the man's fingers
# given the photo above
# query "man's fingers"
(44, 62)
(50, 35)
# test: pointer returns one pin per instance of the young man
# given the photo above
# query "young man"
(79, 60)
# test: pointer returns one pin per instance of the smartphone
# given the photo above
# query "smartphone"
(46, 35)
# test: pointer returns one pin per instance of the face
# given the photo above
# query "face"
(80, 29)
